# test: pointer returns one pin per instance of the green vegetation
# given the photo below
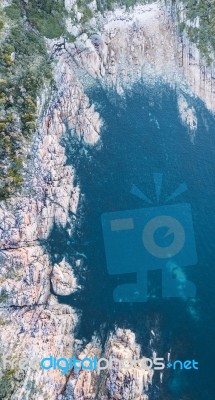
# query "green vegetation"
(83, 7)
(3, 322)
(24, 68)
(204, 34)
(7, 383)
(47, 16)
(25, 65)
(10, 375)
(3, 296)
(109, 4)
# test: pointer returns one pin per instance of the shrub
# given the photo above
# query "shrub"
(7, 59)
(203, 35)
(13, 11)
(29, 117)
(3, 84)
(20, 84)
(7, 383)
(31, 124)
(48, 26)
(87, 15)
(3, 126)
(3, 100)
(3, 296)
(49, 21)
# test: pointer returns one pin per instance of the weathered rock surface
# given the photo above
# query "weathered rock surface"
(113, 383)
(188, 115)
(29, 334)
(125, 384)
(84, 384)
(144, 44)
(30, 317)
(63, 279)
(199, 75)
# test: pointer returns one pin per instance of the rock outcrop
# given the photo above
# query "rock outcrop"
(30, 316)
(114, 382)
(188, 115)
(63, 279)
(145, 43)
(197, 73)
(126, 384)
(84, 384)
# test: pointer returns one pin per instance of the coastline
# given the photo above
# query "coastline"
(121, 55)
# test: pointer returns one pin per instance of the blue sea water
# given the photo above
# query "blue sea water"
(143, 135)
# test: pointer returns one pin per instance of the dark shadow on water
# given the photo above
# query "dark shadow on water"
(143, 135)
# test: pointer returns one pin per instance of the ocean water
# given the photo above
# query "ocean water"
(143, 135)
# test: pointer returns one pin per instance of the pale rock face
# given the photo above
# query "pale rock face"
(113, 383)
(29, 335)
(198, 74)
(188, 115)
(93, 5)
(69, 4)
(23, 276)
(79, 114)
(63, 279)
(75, 200)
(131, 45)
(71, 28)
(32, 319)
(83, 384)
(143, 44)
(121, 346)
(5, 3)
(89, 125)
(79, 16)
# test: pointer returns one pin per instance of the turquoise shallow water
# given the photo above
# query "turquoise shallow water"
(143, 135)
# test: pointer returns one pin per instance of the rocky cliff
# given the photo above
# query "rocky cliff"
(32, 321)
(198, 70)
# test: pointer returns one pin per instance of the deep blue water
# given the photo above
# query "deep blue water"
(143, 135)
